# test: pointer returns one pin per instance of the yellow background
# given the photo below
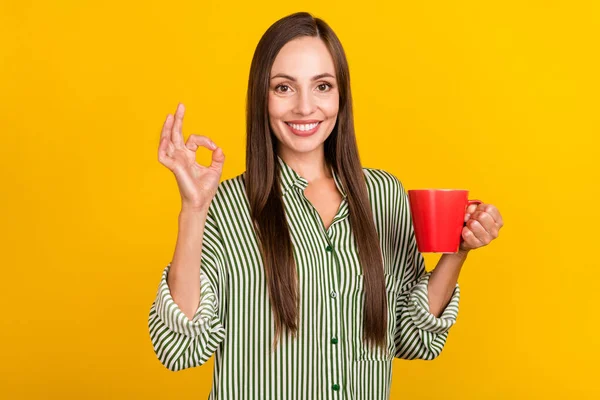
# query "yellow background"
(500, 98)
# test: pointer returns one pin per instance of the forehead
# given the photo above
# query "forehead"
(303, 58)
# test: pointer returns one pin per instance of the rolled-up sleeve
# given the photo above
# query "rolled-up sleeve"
(179, 342)
(419, 333)
(418, 308)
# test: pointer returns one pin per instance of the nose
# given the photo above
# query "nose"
(305, 104)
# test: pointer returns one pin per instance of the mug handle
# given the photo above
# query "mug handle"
(469, 202)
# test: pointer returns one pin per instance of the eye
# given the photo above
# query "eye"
(282, 86)
(326, 86)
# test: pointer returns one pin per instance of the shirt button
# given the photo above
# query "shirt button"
(333, 294)
(334, 340)
(336, 387)
(329, 248)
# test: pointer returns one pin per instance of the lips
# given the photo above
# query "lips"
(304, 133)
(302, 121)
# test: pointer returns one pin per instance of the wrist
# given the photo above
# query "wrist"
(462, 253)
(187, 210)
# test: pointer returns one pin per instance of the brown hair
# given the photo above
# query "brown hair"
(264, 193)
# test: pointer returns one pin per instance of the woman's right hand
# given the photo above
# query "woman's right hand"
(197, 183)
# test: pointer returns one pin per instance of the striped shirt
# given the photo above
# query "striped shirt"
(328, 359)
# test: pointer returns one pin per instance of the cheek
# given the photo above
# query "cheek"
(277, 108)
(275, 113)
(331, 108)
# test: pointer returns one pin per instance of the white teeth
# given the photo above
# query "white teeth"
(305, 127)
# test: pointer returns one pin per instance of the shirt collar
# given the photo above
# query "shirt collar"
(290, 178)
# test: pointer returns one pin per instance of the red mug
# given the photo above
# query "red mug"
(438, 217)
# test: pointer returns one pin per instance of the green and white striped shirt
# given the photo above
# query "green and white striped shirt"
(328, 360)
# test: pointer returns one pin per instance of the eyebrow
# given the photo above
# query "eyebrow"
(314, 78)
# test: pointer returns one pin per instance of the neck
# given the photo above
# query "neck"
(311, 166)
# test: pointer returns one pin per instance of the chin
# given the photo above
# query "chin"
(301, 147)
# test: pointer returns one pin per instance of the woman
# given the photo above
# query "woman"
(310, 278)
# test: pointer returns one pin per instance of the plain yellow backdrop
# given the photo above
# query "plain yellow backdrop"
(497, 97)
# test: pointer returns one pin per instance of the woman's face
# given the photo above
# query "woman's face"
(303, 95)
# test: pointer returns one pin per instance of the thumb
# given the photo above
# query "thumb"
(218, 159)
(471, 208)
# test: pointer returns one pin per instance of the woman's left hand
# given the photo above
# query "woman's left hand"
(483, 225)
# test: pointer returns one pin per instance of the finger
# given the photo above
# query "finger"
(218, 159)
(495, 214)
(195, 141)
(479, 231)
(166, 129)
(484, 219)
(469, 211)
(482, 207)
(470, 238)
(471, 208)
(176, 135)
(163, 157)
(488, 221)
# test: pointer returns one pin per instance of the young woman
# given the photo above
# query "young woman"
(302, 273)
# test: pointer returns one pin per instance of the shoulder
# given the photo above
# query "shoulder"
(382, 181)
(230, 197)
(231, 188)
(386, 192)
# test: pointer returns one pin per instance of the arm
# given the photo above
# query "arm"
(443, 280)
(419, 333)
(191, 283)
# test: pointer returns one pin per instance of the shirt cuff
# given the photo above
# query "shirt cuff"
(418, 308)
(205, 321)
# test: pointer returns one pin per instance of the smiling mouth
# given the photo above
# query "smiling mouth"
(304, 129)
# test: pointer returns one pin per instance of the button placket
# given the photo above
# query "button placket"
(334, 294)
(330, 261)
(334, 265)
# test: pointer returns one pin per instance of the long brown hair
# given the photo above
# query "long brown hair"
(264, 193)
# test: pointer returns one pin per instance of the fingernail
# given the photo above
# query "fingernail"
(214, 146)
